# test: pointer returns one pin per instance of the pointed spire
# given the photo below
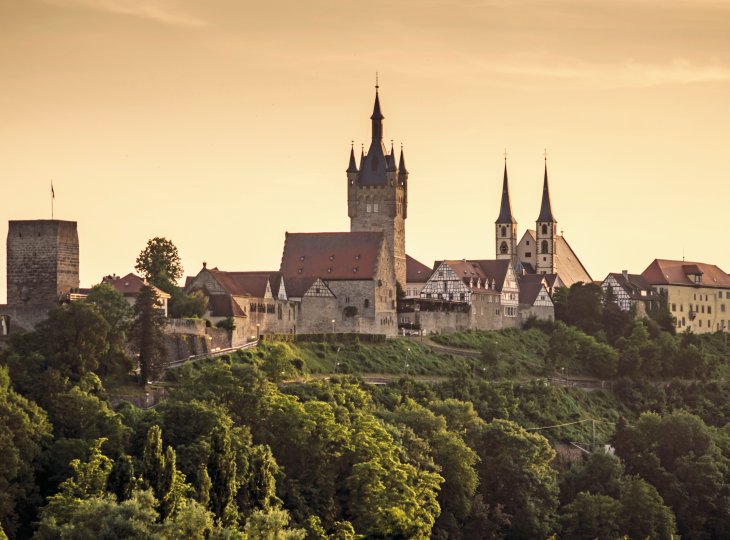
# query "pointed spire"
(352, 167)
(546, 210)
(402, 163)
(391, 159)
(505, 208)
(377, 116)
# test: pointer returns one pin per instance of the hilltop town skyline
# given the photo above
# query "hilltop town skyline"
(227, 134)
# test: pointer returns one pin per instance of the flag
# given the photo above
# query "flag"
(53, 193)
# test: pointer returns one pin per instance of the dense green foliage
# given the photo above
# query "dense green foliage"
(459, 445)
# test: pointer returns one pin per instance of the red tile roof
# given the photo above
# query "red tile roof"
(416, 272)
(491, 270)
(131, 284)
(668, 272)
(223, 305)
(331, 256)
(247, 283)
(529, 292)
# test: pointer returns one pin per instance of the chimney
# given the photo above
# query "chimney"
(625, 274)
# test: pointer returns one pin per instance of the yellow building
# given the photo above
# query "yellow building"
(698, 294)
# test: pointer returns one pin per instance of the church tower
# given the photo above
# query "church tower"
(377, 193)
(546, 233)
(505, 228)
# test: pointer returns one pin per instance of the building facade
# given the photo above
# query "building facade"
(697, 294)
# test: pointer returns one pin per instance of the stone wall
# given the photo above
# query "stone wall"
(541, 312)
(43, 262)
(436, 321)
(23, 318)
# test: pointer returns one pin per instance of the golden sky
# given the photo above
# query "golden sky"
(222, 124)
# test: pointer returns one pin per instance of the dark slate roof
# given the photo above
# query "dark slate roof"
(402, 165)
(352, 167)
(633, 284)
(505, 208)
(391, 160)
(377, 113)
(331, 256)
(416, 272)
(546, 210)
(669, 272)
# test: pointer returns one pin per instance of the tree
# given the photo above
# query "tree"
(73, 339)
(118, 314)
(643, 513)
(272, 524)
(515, 475)
(153, 461)
(222, 471)
(148, 335)
(159, 262)
(121, 481)
(182, 305)
(592, 516)
(24, 431)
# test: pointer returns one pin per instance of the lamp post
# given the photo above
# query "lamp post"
(333, 326)
(565, 375)
(258, 331)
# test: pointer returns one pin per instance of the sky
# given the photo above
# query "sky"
(222, 124)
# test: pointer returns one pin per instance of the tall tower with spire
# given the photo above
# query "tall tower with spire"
(505, 228)
(377, 192)
(546, 228)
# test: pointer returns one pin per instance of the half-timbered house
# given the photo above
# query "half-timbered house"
(630, 291)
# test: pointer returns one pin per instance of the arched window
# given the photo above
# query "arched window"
(503, 248)
(544, 229)
(504, 231)
(544, 246)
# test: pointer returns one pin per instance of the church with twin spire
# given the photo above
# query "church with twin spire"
(541, 253)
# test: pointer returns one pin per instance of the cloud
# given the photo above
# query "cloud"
(162, 11)
(625, 74)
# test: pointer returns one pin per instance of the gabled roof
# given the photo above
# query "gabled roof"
(416, 272)
(570, 268)
(486, 270)
(247, 283)
(530, 291)
(633, 284)
(223, 305)
(297, 286)
(131, 284)
(670, 272)
(331, 256)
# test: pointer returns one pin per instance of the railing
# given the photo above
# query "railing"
(216, 354)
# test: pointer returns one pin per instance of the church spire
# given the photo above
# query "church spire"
(546, 210)
(505, 209)
(377, 117)
(352, 167)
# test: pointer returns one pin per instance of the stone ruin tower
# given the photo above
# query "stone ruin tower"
(42, 267)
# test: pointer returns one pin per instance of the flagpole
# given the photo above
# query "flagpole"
(53, 197)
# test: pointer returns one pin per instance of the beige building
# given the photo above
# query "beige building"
(697, 294)
(417, 275)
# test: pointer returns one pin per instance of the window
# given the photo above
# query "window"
(368, 207)
(445, 286)
(703, 309)
(528, 254)
(504, 232)
(544, 229)
(709, 309)
(681, 308)
(722, 308)
(544, 246)
(700, 323)
(503, 248)
(375, 207)
(527, 243)
(366, 303)
(462, 296)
